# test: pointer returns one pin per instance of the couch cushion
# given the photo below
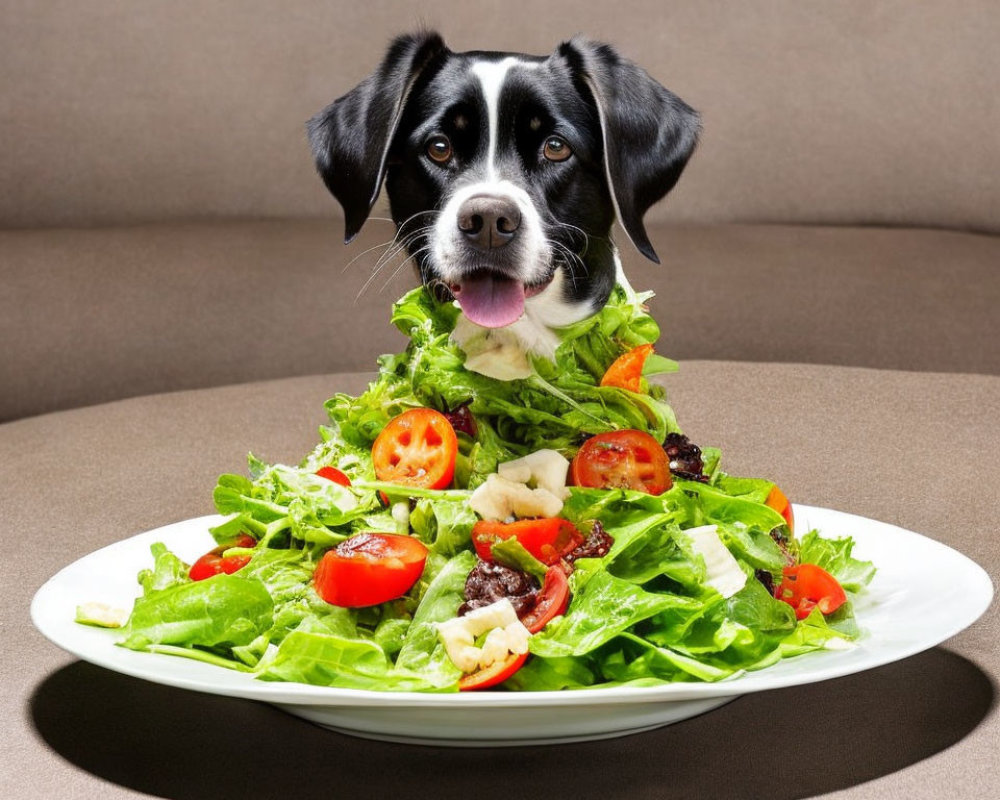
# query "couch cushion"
(891, 298)
(846, 112)
(93, 315)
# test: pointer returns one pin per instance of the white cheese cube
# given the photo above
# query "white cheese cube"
(505, 634)
(546, 469)
(500, 499)
(723, 572)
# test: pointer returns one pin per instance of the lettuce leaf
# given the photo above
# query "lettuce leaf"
(640, 616)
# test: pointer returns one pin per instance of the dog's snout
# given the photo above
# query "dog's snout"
(488, 222)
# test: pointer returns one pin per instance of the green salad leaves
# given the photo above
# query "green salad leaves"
(648, 611)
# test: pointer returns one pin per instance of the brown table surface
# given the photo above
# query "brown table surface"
(920, 450)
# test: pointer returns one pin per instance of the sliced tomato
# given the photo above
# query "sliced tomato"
(213, 562)
(808, 586)
(369, 568)
(493, 674)
(777, 500)
(626, 371)
(552, 600)
(334, 474)
(416, 448)
(547, 538)
(626, 459)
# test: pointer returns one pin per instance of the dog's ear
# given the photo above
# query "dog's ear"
(648, 132)
(350, 138)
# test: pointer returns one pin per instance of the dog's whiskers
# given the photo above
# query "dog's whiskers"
(401, 242)
(363, 253)
(414, 255)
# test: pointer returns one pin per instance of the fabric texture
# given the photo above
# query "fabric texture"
(918, 450)
(842, 113)
(88, 316)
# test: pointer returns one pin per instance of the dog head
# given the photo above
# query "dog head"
(505, 172)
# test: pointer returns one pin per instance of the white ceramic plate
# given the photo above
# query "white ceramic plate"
(923, 593)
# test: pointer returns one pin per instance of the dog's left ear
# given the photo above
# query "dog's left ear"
(648, 132)
(350, 138)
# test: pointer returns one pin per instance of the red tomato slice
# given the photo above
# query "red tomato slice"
(334, 474)
(626, 371)
(808, 586)
(627, 459)
(547, 538)
(369, 568)
(213, 563)
(493, 674)
(552, 601)
(777, 500)
(417, 448)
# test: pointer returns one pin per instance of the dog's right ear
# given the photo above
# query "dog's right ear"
(350, 138)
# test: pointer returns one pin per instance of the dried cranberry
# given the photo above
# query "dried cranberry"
(462, 421)
(684, 456)
(765, 578)
(596, 545)
(492, 581)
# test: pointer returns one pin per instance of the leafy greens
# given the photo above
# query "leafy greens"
(639, 616)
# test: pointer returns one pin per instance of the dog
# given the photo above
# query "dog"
(505, 173)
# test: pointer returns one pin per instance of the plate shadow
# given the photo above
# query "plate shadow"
(186, 745)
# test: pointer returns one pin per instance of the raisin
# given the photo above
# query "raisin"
(489, 581)
(462, 421)
(684, 457)
(596, 545)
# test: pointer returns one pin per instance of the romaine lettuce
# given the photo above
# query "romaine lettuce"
(642, 615)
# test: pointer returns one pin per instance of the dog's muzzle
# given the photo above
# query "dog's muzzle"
(490, 253)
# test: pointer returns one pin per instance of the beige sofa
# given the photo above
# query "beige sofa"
(830, 284)
(161, 226)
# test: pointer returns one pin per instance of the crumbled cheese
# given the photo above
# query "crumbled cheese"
(542, 469)
(101, 614)
(505, 634)
(722, 570)
(515, 471)
(500, 499)
(494, 353)
(401, 516)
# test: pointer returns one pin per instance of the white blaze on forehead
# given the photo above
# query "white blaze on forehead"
(492, 75)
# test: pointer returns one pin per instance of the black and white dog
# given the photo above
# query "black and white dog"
(505, 172)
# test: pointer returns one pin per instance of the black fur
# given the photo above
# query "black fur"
(622, 126)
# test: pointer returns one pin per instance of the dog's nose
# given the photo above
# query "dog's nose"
(488, 222)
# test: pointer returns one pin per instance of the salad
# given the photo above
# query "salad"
(548, 529)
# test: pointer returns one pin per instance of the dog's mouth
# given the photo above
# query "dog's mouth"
(492, 300)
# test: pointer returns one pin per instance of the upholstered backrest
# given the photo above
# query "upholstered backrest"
(848, 112)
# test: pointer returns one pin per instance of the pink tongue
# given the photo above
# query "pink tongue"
(491, 302)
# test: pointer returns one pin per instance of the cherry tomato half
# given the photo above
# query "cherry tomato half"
(369, 568)
(626, 371)
(777, 500)
(213, 563)
(809, 586)
(552, 601)
(416, 448)
(547, 538)
(493, 674)
(626, 459)
(334, 474)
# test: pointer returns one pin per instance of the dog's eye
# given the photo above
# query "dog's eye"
(439, 149)
(556, 149)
